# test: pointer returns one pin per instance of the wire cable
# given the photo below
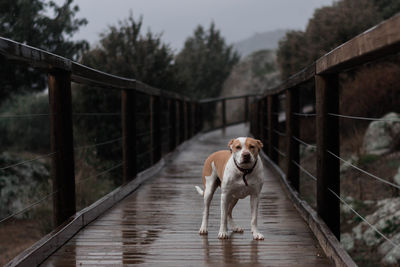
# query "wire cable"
(280, 133)
(96, 114)
(304, 114)
(279, 152)
(26, 161)
(20, 116)
(98, 144)
(362, 218)
(28, 207)
(304, 170)
(303, 143)
(365, 172)
(363, 118)
(101, 173)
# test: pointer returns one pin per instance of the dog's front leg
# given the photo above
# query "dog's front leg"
(254, 200)
(223, 230)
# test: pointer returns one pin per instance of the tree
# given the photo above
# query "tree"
(205, 62)
(126, 52)
(28, 21)
(328, 28)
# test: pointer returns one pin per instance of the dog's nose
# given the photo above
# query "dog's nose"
(246, 156)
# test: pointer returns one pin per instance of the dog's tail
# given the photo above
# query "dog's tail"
(199, 190)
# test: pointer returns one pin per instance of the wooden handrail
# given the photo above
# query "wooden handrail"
(375, 43)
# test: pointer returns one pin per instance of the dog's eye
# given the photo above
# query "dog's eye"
(251, 147)
(238, 147)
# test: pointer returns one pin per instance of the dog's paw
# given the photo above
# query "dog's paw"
(258, 236)
(203, 231)
(223, 235)
(238, 229)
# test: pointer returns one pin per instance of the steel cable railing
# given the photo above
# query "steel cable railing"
(27, 161)
(363, 118)
(21, 116)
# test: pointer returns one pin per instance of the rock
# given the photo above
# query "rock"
(345, 166)
(21, 185)
(396, 177)
(382, 137)
(347, 241)
(346, 209)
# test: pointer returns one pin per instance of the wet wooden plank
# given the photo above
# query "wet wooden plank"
(159, 223)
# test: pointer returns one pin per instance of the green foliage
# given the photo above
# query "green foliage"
(28, 21)
(328, 28)
(205, 62)
(262, 63)
(25, 133)
(123, 51)
(368, 159)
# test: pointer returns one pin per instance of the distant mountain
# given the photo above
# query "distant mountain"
(259, 41)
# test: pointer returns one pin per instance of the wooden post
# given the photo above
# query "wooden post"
(273, 140)
(172, 124)
(246, 108)
(328, 174)
(257, 118)
(223, 112)
(189, 117)
(201, 118)
(292, 129)
(128, 120)
(194, 117)
(185, 120)
(155, 129)
(260, 134)
(61, 133)
(181, 119)
(265, 123)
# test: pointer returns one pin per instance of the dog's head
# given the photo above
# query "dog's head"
(245, 150)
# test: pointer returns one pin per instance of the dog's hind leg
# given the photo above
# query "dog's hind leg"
(231, 223)
(210, 187)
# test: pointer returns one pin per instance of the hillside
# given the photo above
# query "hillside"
(259, 41)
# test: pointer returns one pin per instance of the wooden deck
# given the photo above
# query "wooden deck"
(158, 224)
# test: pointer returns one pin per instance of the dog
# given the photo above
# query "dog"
(239, 173)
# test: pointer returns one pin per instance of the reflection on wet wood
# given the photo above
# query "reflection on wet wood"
(158, 224)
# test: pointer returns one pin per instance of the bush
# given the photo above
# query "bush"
(372, 92)
(25, 133)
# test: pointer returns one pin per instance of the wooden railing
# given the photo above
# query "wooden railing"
(185, 117)
(378, 42)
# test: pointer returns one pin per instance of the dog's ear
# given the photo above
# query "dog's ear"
(230, 143)
(259, 143)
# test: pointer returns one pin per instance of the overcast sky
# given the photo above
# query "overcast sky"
(176, 19)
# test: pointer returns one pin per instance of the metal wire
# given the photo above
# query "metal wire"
(304, 114)
(96, 114)
(20, 116)
(98, 144)
(304, 170)
(101, 173)
(280, 133)
(53, 193)
(362, 118)
(143, 134)
(365, 172)
(279, 152)
(362, 218)
(302, 142)
(28, 207)
(26, 161)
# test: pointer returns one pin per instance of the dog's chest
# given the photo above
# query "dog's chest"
(235, 186)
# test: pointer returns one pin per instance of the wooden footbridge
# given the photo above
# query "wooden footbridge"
(154, 216)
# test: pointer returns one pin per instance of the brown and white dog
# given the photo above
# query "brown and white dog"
(239, 172)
